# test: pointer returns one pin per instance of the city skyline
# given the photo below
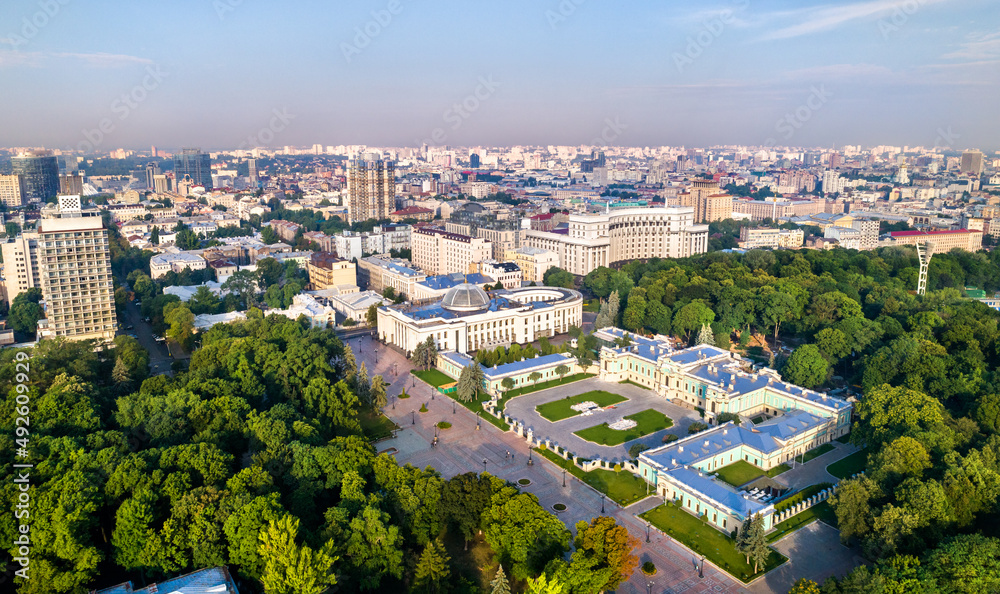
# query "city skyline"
(234, 74)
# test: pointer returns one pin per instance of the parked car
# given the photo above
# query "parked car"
(130, 327)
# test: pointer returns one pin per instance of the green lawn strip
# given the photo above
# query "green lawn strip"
(778, 470)
(800, 496)
(546, 385)
(816, 452)
(376, 425)
(634, 384)
(475, 406)
(621, 487)
(647, 421)
(703, 539)
(850, 465)
(558, 410)
(433, 377)
(844, 438)
(739, 473)
(592, 305)
(820, 511)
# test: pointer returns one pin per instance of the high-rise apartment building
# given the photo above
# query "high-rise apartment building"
(152, 170)
(252, 167)
(11, 190)
(194, 164)
(972, 162)
(39, 171)
(371, 189)
(19, 265)
(435, 251)
(708, 201)
(74, 267)
(71, 185)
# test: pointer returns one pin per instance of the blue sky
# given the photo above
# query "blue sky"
(213, 73)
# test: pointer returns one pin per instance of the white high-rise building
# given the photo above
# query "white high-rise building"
(74, 266)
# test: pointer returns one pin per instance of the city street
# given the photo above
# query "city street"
(159, 358)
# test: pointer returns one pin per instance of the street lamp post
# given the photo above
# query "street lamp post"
(649, 587)
(413, 417)
(477, 421)
(647, 531)
(393, 403)
(564, 477)
(602, 504)
(452, 407)
(530, 461)
(701, 567)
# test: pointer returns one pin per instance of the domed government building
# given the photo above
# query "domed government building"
(468, 318)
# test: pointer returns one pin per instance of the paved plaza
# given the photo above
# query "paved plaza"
(561, 432)
(814, 552)
(463, 448)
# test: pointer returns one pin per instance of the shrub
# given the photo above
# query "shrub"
(444, 425)
(403, 395)
(618, 467)
(648, 568)
(696, 427)
(349, 322)
(726, 417)
(423, 407)
(669, 437)
(637, 449)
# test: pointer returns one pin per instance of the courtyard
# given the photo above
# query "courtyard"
(658, 417)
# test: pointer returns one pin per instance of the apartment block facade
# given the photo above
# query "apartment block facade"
(436, 251)
(371, 189)
(74, 266)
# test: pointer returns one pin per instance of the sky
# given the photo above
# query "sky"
(102, 74)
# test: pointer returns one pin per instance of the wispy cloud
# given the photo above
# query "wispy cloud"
(12, 58)
(824, 18)
(980, 46)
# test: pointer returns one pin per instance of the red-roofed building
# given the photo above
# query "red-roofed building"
(944, 241)
(412, 212)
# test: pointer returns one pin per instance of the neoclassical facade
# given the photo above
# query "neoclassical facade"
(468, 318)
(596, 240)
(719, 381)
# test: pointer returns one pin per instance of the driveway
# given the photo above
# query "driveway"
(814, 471)
(813, 552)
(522, 408)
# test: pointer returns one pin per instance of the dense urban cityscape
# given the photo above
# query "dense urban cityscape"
(541, 298)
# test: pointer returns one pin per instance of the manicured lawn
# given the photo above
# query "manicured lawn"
(376, 426)
(558, 410)
(433, 377)
(622, 487)
(850, 465)
(844, 438)
(800, 496)
(739, 473)
(820, 511)
(592, 305)
(634, 384)
(778, 470)
(546, 385)
(647, 421)
(816, 452)
(700, 537)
